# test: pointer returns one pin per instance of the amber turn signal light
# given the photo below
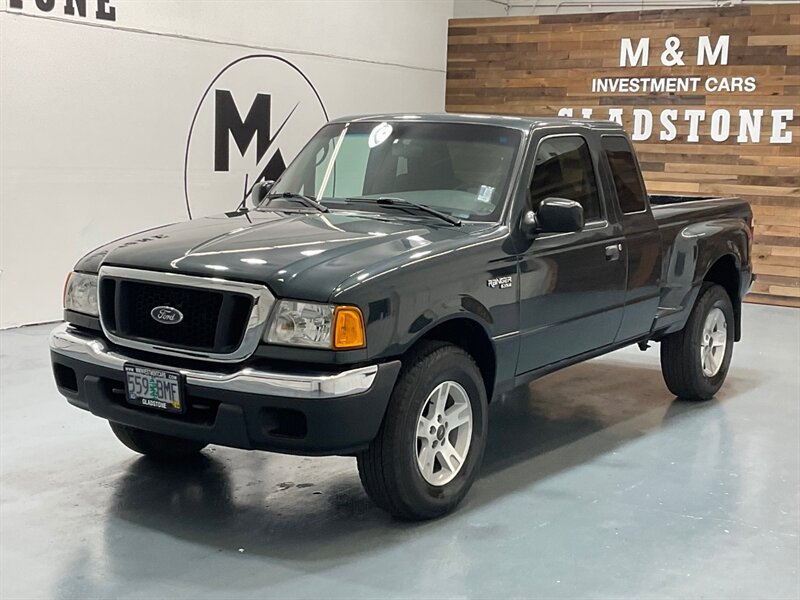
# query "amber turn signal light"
(348, 328)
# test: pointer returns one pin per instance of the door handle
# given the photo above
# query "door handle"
(613, 251)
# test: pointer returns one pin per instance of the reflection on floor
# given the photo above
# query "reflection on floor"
(596, 483)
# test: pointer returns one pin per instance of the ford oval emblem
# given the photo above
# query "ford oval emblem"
(166, 315)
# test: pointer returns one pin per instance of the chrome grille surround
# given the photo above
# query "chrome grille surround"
(263, 301)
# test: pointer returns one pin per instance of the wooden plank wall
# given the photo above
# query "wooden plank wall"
(539, 65)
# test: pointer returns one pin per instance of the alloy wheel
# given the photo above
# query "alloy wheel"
(714, 342)
(444, 433)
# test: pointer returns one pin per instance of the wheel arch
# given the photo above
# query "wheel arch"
(470, 335)
(725, 272)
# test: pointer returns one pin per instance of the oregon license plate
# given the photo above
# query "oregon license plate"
(153, 388)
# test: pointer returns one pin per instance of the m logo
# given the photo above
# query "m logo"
(228, 121)
(229, 124)
(254, 116)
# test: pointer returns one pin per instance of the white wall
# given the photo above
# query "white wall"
(479, 8)
(95, 114)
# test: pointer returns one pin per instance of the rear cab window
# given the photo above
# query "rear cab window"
(628, 184)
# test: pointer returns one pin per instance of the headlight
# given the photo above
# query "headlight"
(80, 293)
(315, 325)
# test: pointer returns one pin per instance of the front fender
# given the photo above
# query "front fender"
(464, 308)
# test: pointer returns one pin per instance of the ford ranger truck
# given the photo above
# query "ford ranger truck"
(403, 272)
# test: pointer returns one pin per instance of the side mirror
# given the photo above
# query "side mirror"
(260, 191)
(555, 215)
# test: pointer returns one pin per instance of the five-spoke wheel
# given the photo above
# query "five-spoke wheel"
(715, 340)
(444, 433)
(695, 360)
(430, 445)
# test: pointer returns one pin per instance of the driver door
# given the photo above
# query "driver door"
(572, 285)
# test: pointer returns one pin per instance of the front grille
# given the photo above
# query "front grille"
(214, 321)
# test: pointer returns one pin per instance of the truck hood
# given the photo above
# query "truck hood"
(297, 255)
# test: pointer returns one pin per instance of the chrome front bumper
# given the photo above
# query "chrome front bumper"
(66, 341)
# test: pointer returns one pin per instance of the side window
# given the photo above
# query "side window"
(630, 191)
(563, 169)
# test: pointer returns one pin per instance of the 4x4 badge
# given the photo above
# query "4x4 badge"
(500, 282)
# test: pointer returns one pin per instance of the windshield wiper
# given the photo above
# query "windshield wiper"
(307, 200)
(403, 203)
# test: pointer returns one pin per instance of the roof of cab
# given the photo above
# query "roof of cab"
(514, 122)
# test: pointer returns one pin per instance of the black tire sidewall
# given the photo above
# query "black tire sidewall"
(713, 297)
(156, 445)
(424, 498)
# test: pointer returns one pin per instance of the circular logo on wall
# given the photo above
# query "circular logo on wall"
(253, 118)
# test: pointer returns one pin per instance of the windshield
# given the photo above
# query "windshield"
(460, 169)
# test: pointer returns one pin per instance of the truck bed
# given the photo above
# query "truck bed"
(682, 219)
(659, 200)
(693, 228)
(674, 211)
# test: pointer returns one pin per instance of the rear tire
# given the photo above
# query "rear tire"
(695, 360)
(412, 468)
(157, 446)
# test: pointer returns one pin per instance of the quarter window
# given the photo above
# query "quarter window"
(563, 169)
(630, 191)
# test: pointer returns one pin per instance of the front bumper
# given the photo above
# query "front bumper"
(253, 408)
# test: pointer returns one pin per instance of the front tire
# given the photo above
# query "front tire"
(695, 360)
(157, 446)
(430, 446)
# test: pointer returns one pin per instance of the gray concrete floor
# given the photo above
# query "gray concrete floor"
(597, 484)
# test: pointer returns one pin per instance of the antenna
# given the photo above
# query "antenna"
(242, 205)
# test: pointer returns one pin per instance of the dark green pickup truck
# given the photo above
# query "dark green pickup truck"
(403, 272)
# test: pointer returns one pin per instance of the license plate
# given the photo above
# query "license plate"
(153, 388)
